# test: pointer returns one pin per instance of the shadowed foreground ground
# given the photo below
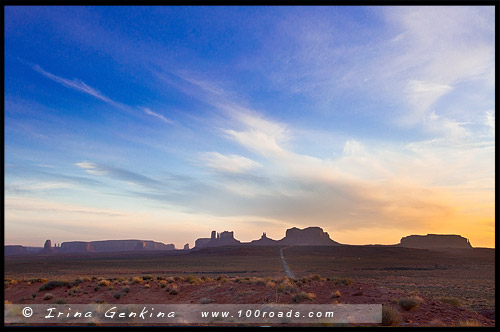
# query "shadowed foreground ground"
(451, 288)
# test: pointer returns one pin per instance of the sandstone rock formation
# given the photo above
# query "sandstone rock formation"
(129, 245)
(264, 241)
(186, 246)
(15, 250)
(434, 241)
(217, 239)
(152, 245)
(310, 236)
(201, 242)
(47, 248)
(77, 247)
(112, 246)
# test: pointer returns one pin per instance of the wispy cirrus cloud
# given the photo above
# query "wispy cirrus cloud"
(229, 163)
(490, 121)
(411, 61)
(34, 204)
(81, 86)
(407, 68)
(423, 94)
(35, 186)
(369, 175)
(157, 115)
(78, 85)
(119, 174)
(437, 51)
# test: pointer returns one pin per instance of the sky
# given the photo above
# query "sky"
(164, 123)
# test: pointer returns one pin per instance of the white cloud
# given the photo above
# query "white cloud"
(259, 135)
(159, 116)
(439, 49)
(78, 85)
(423, 94)
(229, 163)
(91, 168)
(36, 186)
(490, 121)
(36, 205)
(353, 147)
(445, 127)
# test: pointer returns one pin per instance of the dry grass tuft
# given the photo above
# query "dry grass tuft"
(343, 281)
(54, 284)
(299, 297)
(259, 281)
(270, 284)
(192, 279)
(286, 286)
(104, 282)
(336, 294)
(136, 280)
(410, 303)
(451, 300)
(317, 277)
(436, 322)
(469, 323)
(390, 316)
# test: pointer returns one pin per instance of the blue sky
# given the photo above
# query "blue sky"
(163, 123)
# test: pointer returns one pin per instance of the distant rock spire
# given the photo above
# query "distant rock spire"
(47, 248)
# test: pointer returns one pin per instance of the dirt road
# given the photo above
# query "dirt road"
(288, 273)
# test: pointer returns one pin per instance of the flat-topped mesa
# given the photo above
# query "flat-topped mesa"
(129, 245)
(310, 236)
(201, 242)
(225, 238)
(152, 245)
(77, 247)
(15, 250)
(112, 246)
(433, 241)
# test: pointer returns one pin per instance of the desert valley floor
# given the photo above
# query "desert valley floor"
(448, 288)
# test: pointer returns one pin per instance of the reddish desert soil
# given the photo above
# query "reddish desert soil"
(430, 312)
